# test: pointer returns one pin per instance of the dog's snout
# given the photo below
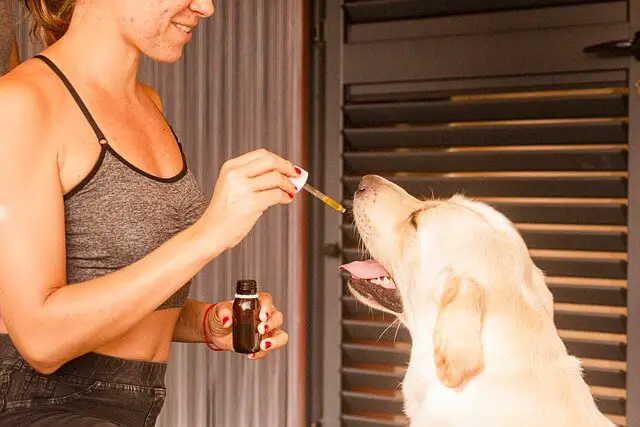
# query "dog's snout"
(368, 182)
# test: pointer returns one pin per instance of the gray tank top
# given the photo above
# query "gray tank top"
(119, 213)
(7, 34)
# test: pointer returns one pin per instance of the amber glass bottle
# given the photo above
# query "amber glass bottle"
(246, 312)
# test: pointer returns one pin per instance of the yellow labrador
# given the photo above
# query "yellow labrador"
(485, 350)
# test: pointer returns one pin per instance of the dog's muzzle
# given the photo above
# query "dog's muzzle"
(372, 282)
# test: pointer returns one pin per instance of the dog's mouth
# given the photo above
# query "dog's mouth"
(372, 284)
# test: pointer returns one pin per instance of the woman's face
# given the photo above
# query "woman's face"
(161, 28)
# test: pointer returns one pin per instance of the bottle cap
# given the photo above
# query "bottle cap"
(299, 181)
(246, 287)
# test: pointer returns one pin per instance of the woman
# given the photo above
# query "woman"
(8, 46)
(102, 224)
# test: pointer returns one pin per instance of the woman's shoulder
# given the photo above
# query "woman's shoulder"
(25, 105)
(24, 91)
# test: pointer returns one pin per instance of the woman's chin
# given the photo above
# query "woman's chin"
(168, 55)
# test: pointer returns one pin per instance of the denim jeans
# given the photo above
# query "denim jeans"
(92, 390)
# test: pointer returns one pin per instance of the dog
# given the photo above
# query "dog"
(485, 351)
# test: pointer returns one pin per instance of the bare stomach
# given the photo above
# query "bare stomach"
(149, 340)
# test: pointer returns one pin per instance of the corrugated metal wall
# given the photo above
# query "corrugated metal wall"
(239, 87)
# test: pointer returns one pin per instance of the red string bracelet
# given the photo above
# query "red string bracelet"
(204, 328)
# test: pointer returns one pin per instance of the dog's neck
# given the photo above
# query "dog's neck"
(504, 340)
(502, 362)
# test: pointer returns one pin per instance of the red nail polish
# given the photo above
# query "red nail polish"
(224, 321)
(298, 171)
(267, 345)
(266, 328)
(290, 195)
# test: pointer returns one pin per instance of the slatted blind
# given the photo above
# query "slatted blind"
(544, 143)
(543, 158)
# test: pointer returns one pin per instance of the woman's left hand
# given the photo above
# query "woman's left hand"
(220, 321)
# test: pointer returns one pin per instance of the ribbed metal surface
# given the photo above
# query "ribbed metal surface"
(544, 143)
(238, 88)
(387, 10)
(583, 254)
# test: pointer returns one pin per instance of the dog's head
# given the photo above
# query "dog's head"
(436, 264)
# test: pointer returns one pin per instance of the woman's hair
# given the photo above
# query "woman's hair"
(50, 18)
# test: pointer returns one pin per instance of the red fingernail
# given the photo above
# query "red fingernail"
(224, 321)
(298, 171)
(266, 328)
(290, 195)
(267, 345)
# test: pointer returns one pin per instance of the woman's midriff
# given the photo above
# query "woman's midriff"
(150, 340)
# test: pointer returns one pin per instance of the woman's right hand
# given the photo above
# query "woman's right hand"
(246, 187)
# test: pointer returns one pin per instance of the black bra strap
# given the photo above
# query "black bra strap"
(76, 97)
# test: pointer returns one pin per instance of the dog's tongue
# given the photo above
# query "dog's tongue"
(369, 269)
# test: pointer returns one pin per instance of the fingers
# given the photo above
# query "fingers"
(266, 306)
(258, 355)
(272, 180)
(263, 173)
(276, 340)
(275, 321)
(266, 199)
(246, 158)
(271, 320)
(219, 322)
(224, 314)
(269, 163)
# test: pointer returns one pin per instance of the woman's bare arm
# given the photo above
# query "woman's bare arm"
(52, 323)
(49, 322)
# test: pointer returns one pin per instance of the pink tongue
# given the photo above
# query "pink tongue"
(369, 269)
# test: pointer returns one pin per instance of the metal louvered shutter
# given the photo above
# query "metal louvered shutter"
(496, 100)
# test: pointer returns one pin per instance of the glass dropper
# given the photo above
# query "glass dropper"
(326, 199)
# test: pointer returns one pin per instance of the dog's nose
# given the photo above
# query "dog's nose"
(368, 181)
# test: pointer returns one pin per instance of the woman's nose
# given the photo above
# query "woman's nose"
(203, 8)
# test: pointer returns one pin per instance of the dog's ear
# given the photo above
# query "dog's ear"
(457, 335)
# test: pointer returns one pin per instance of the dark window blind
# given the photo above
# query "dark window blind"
(546, 145)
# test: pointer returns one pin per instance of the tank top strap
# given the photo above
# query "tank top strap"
(101, 138)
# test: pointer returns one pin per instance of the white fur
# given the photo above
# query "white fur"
(499, 324)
